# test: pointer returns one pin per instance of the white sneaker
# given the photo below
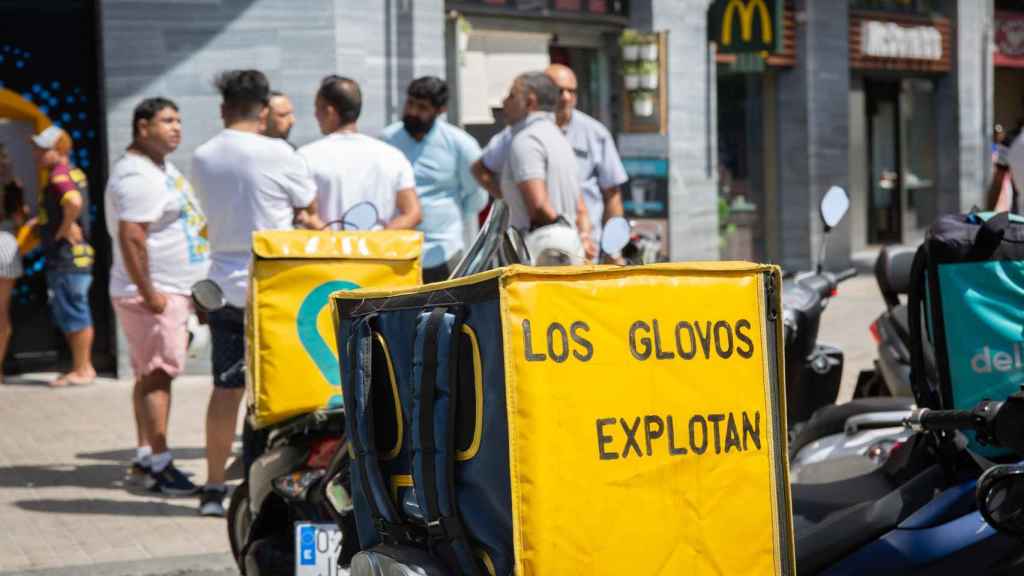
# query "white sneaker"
(211, 501)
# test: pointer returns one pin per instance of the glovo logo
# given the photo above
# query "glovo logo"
(307, 323)
(746, 9)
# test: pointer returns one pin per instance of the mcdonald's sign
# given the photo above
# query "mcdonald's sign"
(744, 26)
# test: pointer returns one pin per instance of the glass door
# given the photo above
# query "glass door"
(884, 205)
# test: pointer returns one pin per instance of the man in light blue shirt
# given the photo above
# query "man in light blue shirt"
(441, 156)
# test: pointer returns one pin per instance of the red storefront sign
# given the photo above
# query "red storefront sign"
(1009, 40)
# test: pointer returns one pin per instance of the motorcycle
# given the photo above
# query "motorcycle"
(843, 441)
(835, 441)
(930, 509)
(282, 486)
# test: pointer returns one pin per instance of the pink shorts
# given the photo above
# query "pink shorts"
(155, 341)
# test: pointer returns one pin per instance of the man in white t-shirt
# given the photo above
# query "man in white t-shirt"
(246, 182)
(350, 168)
(158, 235)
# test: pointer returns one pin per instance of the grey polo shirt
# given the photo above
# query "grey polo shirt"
(539, 151)
(597, 160)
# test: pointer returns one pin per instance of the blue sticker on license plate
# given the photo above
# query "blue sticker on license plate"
(317, 547)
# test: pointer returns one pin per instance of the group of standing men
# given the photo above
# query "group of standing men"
(423, 173)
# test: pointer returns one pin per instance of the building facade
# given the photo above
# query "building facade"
(893, 100)
(889, 99)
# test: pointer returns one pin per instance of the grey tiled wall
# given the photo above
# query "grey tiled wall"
(692, 135)
(175, 48)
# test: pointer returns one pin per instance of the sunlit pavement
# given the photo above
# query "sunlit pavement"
(63, 499)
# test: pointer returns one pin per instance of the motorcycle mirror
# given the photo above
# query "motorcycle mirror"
(834, 205)
(362, 216)
(615, 235)
(1001, 498)
(208, 296)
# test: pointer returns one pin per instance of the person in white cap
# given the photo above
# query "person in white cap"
(63, 225)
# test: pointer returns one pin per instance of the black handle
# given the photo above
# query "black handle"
(948, 419)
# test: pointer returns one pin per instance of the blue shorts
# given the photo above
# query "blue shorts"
(69, 300)
(227, 336)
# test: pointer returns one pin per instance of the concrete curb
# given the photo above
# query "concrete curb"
(206, 564)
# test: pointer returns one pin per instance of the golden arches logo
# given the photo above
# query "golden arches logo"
(746, 10)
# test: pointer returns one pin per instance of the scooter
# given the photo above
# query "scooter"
(283, 486)
(926, 510)
(855, 438)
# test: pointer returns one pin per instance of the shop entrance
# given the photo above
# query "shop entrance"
(884, 225)
(901, 122)
(54, 82)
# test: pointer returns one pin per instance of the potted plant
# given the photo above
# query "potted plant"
(630, 42)
(631, 75)
(648, 47)
(648, 74)
(643, 102)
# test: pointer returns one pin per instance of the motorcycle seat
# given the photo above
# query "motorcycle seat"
(831, 419)
(835, 519)
(892, 272)
(901, 320)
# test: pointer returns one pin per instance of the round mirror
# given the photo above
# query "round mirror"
(1001, 498)
(834, 205)
(615, 235)
(362, 216)
(208, 296)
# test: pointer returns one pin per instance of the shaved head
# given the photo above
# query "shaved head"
(565, 79)
(561, 72)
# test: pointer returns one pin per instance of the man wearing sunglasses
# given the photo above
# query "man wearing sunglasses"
(601, 172)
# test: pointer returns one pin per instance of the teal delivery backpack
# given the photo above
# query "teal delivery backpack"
(967, 308)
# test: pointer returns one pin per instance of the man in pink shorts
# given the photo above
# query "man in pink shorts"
(159, 237)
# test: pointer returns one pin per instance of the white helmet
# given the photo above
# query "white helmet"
(198, 336)
(556, 244)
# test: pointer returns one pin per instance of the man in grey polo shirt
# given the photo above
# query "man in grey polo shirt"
(600, 169)
(538, 178)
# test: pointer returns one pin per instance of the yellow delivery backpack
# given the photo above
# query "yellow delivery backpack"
(590, 420)
(291, 364)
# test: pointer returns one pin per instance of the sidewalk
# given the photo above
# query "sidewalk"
(63, 501)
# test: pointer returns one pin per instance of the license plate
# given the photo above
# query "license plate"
(317, 547)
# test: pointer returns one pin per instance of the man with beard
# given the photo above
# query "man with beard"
(441, 157)
(281, 117)
(350, 168)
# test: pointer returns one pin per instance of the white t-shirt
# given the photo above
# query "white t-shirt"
(350, 168)
(140, 191)
(246, 182)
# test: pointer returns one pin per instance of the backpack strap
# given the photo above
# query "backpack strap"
(387, 519)
(924, 393)
(445, 531)
(990, 236)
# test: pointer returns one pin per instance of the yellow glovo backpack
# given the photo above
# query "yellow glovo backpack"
(292, 367)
